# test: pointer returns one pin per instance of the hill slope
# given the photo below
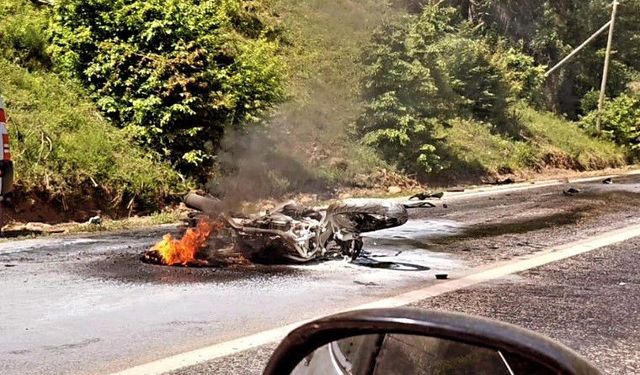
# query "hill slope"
(316, 126)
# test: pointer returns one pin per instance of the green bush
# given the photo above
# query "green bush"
(421, 74)
(63, 148)
(589, 102)
(175, 74)
(524, 78)
(23, 35)
(401, 100)
(620, 121)
(481, 86)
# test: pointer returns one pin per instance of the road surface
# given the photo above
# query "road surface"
(87, 305)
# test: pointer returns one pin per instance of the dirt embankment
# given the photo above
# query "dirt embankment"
(37, 212)
(39, 206)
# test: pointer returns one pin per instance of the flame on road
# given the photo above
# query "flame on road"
(183, 251)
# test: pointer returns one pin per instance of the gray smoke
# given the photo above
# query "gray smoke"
(252, 167)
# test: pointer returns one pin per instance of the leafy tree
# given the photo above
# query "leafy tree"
(422, 74)
(524, 78)
(23, 37)
(549, 30)
(173, 73)
(402, 98)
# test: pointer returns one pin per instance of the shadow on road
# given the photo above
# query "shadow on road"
(395, 266)
(127, 268)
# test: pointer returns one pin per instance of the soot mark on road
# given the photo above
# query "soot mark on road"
(582, 207)
(395, 266)
(127, 268)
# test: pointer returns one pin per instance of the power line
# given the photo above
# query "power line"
(575, 51)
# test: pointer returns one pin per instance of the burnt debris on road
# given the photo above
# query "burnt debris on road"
(291, 233)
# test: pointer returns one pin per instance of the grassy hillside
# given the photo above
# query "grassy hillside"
(61, 145)
(66, 155)
(552, 143)
(316, 126)
(325, 41)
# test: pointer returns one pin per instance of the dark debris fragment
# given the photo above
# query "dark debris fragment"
(571, 192)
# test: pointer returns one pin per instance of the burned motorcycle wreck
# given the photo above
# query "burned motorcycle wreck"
(295, 234)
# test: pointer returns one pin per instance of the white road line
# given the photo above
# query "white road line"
(471, 278)
(490, 190)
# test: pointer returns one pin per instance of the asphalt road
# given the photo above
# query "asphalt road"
(596, 313)
(87, 305)
(590, 303)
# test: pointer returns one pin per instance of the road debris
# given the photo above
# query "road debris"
(571, 192)
(427, 195)
(365, 283)
(442, 276)
(608, 181)
(96, 220)
(456, 190)
(506, 181)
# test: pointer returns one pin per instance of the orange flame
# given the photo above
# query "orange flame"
(183, 251)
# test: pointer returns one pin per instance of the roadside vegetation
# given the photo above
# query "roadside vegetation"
(552, 142)
(130, 103)
(64, 151)
(174, 74)
(619, 121)
(72, 153)
(445, 100)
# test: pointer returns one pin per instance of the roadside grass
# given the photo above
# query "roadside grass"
(554, 135)
(472, 145)
(156, 219)
(550, 142)
(64, 149)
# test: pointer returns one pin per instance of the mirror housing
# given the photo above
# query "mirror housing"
(461, 328)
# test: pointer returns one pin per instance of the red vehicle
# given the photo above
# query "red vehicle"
(6, 165)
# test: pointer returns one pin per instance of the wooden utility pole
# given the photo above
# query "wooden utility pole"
(607, 60)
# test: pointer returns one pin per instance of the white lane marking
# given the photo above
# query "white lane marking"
(474, 277)
(492, 190)
(488, 190)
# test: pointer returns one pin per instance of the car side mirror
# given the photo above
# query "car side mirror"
(411, 341)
